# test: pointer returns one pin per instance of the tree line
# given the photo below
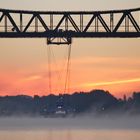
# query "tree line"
(98, 102)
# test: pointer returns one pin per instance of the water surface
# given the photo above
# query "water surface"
(69, 129)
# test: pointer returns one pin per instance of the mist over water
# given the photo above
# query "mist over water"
(39, 128)
(86, 122)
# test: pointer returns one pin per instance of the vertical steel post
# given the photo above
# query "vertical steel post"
(5, 23)
(81, 22)
(126, 23)
(111, 22)
(21, 22)
(66, 24)
(51, 21)
(36, 24)
(96, 24)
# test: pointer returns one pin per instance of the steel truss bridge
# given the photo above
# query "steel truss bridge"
(59, 27)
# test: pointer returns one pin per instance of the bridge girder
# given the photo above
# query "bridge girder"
(68, 25)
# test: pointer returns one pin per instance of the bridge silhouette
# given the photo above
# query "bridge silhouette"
(59, 27)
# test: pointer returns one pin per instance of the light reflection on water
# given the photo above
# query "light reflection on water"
(70, 134)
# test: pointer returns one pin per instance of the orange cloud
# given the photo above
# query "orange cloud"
(31, 78)
(111, 83)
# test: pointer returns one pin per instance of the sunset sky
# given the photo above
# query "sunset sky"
(109, 64)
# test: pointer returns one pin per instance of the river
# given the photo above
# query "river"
(69, 129)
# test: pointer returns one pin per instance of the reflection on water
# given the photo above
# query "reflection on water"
(90, 134)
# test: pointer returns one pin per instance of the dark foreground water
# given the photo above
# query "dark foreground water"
(69, 129)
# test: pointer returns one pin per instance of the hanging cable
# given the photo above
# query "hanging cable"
(59, 73)
(49, 69)
(65, 69)
(51, 57)
(67, 79)
(69, 71)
